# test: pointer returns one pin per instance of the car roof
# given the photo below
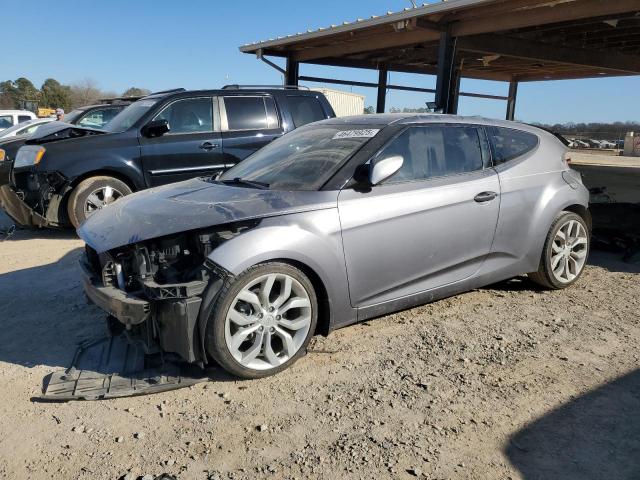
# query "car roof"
(231, 90)
(384, 119)
(5, 112)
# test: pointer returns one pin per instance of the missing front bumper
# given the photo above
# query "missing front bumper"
(167, 319)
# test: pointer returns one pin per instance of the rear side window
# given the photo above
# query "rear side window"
(24, 118)
(305, 110)
(250, 113)
(508, 143)
(435, 151)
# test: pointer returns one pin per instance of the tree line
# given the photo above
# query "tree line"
(22, 93)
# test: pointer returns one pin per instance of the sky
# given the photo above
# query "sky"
(165, 44)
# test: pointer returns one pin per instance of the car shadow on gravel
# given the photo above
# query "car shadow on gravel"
(44, 313)
(595, 436)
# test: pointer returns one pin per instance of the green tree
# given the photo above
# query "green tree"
(136, 92)
(55, 95)
(8, 95)
(26, 90)
(369, 110)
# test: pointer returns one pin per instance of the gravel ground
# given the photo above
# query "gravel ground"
(503, 382)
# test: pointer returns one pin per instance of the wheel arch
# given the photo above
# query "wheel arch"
(105, 173)
(323, 326)
(583, 212)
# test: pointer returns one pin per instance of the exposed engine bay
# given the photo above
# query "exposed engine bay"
(154, 290)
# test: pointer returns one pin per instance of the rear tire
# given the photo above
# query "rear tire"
(565, 252)
(263, 320)
(91, 195)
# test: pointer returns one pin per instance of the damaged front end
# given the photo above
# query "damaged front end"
(158, 291)
(35, 199)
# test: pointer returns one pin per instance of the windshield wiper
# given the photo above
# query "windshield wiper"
(243, 181)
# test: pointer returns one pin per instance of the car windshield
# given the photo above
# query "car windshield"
(129, 116)
(73, 115)
(301, 160)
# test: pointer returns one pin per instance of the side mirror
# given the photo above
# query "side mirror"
(385, 168)
(155, 128)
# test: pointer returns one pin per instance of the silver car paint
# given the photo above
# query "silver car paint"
(360, 245)
(189, 205)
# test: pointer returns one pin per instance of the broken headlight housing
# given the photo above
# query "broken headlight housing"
(29, 155)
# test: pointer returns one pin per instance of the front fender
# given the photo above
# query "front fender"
(310, 238)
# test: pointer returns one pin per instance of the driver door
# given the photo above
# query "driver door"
(191, 148)
(430, 224)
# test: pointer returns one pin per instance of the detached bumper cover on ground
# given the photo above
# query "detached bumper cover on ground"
(18, 210)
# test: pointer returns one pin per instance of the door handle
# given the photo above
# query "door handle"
(208, 146)
(485, 197)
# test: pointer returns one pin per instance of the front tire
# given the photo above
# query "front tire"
(91, 195)
(263, 320)
(565, 252)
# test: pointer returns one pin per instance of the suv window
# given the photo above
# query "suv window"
(98, 118)
(6, 121)
(508, 143)
(435, 151)
(305, 110)
(24, 118)
(250, 113)
(190, 115)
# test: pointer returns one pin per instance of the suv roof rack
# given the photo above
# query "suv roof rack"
(172, 90)
(274, 87)
(110, 101)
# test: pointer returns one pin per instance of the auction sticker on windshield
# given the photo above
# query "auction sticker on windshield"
(363, 133)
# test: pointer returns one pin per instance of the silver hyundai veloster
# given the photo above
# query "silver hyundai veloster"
(337, 222)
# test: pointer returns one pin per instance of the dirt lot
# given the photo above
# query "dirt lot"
(503, 382)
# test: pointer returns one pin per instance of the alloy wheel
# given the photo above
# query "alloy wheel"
(100, 198)
(268, 321)
(569, 251)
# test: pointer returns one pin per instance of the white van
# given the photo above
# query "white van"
(9, 118)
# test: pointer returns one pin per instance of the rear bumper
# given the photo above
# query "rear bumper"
(19, 211)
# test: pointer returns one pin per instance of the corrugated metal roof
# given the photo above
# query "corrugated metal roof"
(390, 17)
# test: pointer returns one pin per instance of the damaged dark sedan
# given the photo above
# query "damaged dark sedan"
(339, 221)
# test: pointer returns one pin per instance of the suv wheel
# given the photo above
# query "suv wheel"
(565, 252)
(263, 320)
(91, 195)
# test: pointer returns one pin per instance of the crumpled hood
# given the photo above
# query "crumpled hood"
(55, 131)
(187, 206)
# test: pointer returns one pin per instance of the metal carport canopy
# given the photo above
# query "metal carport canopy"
(506, 40)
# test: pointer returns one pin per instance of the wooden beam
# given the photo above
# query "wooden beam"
(545, 52)
(381, 41)
(407, 68)
(527, 15)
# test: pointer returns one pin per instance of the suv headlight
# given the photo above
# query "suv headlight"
(3, 155)
(29, 155)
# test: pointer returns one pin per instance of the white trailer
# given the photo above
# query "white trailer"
(343, 103)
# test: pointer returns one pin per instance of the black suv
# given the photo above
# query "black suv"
(162, 138)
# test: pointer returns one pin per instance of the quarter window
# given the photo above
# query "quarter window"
(24, 118)
(305, 110)
(435, 151)
(250, 113)
(508, 143)
(191, 115)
